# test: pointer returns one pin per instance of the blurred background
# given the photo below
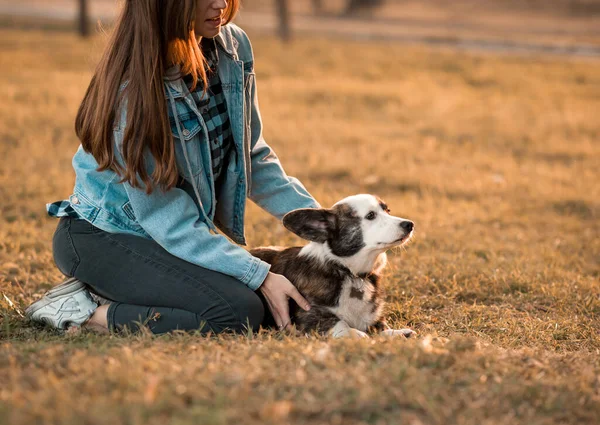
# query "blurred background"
(571, 26)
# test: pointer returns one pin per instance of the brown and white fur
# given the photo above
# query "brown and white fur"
(338, 272)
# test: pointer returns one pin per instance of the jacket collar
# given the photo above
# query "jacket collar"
(228, 42)
(173, 81)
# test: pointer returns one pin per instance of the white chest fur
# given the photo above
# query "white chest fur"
(357, 305)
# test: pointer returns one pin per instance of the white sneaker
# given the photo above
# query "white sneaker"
(69, 303)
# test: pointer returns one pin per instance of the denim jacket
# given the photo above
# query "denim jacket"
(185, 219)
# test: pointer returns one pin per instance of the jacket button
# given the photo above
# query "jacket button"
(186, 132)
(75, 200)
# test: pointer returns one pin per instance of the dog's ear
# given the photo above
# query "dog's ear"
(310, 224)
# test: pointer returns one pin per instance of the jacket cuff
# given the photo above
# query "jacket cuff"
(257, 273)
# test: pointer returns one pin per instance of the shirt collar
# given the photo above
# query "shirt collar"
(209, 50)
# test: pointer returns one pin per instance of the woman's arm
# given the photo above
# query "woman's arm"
(172, 219)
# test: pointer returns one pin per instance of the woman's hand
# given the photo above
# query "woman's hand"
(277, 289)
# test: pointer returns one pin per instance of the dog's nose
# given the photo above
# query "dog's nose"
(408, 226)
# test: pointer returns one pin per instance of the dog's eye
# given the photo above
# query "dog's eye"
(371, 215)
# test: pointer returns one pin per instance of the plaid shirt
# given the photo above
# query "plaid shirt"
(213, 108)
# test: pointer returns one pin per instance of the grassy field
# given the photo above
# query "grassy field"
(496, 159)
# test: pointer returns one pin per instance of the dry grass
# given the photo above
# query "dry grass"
(495, 158)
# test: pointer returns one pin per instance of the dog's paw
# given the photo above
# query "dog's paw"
(406, 333)
(355, 333)
(349, 333)
(343, 330)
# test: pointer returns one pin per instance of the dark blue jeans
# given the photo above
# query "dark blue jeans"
(151, 286)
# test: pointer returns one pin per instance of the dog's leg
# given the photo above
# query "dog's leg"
(343, 330)
(321, 319)
(318, 318)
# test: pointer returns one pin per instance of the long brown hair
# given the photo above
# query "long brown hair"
(149, 36)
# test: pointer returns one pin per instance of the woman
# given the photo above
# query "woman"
(171, 147)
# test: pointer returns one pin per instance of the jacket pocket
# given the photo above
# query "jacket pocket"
(189, 124)
(190, 127)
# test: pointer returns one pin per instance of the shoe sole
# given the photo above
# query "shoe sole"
(69, 286)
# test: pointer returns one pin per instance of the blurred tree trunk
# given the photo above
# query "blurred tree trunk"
(355, 6)
(84, 29)
(283, 12)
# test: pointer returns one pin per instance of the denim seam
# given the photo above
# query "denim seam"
(110, 316)
(103, 196)
(95, 209)
(72, 273)
(175, 268)
(249, 272)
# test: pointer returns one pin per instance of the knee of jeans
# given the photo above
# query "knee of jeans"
(251, 314)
